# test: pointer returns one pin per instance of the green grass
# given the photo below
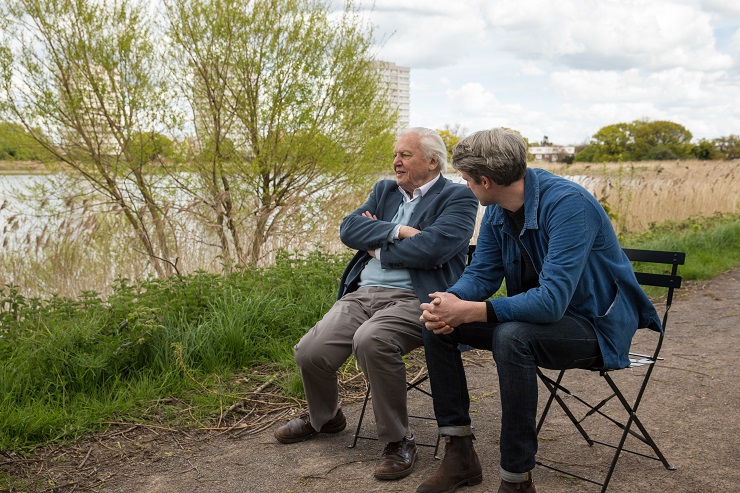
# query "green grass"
(178, 350)
(70, 366)
(712, 245)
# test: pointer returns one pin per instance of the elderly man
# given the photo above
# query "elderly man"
(412, 237)
(573, 302)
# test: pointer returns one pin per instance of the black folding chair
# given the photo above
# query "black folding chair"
(667, 261)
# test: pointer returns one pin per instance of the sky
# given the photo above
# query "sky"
(564, 69)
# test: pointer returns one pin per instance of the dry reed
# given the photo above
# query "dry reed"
(643, 193)
(82, 248)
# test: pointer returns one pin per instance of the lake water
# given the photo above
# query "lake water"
(11, 206)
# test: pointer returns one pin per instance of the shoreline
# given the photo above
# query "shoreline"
(25, 168)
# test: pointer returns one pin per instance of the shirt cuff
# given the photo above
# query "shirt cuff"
(396, 231)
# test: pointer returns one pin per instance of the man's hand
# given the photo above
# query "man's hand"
(407, 232)
(446, 311)
(372, 216)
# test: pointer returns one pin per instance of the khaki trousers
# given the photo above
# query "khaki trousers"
(378, 325)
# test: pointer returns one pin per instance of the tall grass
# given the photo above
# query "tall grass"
(68, 366)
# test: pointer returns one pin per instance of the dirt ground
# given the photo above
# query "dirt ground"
(691, 409)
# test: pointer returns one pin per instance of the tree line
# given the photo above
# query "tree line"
(643, 140)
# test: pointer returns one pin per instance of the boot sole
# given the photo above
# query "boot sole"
(467, 482)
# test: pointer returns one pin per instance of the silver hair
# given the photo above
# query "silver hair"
(499, 154)
(431, 143)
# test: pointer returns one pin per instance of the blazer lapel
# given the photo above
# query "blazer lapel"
(390, 208)
(427, 200)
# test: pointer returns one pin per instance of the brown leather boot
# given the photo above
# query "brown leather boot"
(523, 487)
(459, 466)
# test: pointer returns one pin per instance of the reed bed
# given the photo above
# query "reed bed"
(76, 248)
(642, 194)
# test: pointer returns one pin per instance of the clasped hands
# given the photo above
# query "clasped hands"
(445, 312)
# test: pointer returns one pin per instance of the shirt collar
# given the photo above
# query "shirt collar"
(421, 191)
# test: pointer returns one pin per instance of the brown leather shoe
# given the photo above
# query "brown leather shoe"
(300, 429)
(523, 487)
(459, 466)
(397, 460)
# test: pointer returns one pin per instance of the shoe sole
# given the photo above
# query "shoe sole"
(334, 429)
(303, 438)
(294, 440)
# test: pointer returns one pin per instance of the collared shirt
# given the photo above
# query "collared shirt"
(418, 192)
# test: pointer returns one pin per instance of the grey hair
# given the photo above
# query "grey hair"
(431, 143)
(498, 154)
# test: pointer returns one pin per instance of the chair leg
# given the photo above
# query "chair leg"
(436, 447)
(409, 386)
(645, 437)
(360, 419)
(553, 387)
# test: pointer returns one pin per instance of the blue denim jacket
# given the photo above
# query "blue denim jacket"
(583, 271)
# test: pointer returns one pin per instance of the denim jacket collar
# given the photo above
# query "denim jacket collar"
(531, 204)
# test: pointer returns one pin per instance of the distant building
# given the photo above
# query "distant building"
(398, 81)
(552, 154)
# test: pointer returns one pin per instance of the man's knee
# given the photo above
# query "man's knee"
(367, 345)
(307, 353)
(509, 341)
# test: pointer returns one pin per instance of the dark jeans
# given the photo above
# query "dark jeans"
(518, 348)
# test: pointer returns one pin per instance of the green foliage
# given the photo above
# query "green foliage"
(451, 135)
(728, 147)
(638, 141)
(146, 147)
(67, 366)
(705, 150)
(16, 144)
(285, 98)
(281, 99)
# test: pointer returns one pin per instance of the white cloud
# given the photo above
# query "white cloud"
(472, 97)
(593, 34)
(531, 68)
(723, 7)
(565, 69)
(427, 34)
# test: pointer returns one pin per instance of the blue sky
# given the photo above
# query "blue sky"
(565, 68)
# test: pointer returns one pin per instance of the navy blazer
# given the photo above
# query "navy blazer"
(435, 257)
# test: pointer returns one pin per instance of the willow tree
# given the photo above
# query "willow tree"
(86, 73)
(289, 115)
